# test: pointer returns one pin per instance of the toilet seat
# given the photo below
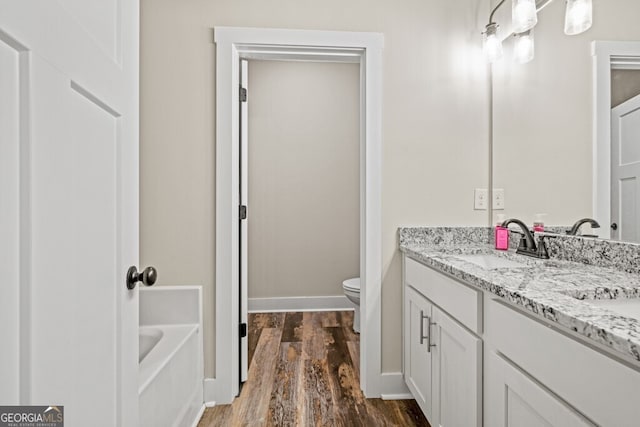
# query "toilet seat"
(352, 284)
(351, 288)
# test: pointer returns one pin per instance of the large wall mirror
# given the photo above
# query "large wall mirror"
(545, 124)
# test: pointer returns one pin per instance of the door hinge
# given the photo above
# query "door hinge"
(243, 330)
(243, 212)
(243, 94)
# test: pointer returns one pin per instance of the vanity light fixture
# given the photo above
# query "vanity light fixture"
(524, 16)
(491, 44)
(523, 50)
(578, 17)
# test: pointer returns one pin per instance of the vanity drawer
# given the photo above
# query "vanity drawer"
(461, 301)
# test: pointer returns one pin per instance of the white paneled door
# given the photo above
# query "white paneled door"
(69, 207)
(244, 218)
(418, 355)
(457, 373)
(625, 171)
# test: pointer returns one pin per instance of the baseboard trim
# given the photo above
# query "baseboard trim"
(393, 387)
(275, 305)
(401, 396)
(198, 417)
(209, 392)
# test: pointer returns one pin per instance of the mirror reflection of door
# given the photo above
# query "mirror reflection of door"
(625, 155)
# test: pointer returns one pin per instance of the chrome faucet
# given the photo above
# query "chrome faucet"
(578, 224)
(527, 244)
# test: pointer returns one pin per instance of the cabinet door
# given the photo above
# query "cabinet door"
(417, 354)
(457, 374)
(513, 399)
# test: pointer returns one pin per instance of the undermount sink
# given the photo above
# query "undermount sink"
(627, 307)
(490, 262)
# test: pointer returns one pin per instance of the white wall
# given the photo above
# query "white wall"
(177, 151)
(434, 127)
(543, 115)
(304, 155)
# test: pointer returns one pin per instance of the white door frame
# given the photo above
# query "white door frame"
(607, 55)
(301, 45)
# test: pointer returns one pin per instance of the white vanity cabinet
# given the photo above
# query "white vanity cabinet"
(442, 358)
(472, 358)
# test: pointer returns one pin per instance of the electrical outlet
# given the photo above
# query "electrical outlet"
(480, 196)
(498, 199)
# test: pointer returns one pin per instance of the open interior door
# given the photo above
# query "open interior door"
(69, 144)
(625, 171)
(244, 218)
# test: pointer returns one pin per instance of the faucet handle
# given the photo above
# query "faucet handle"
(542, 251)
(523, 240)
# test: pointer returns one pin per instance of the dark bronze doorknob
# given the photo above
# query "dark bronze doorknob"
(148, 276)
(614, 226)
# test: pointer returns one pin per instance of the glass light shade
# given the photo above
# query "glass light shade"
(578, 16)
(524, 15)
(491, 44)
(523, 50)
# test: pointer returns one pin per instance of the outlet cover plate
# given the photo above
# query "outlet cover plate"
(498, 199)
(480, 196)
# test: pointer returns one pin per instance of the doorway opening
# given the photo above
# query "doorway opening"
(232, 45)
(608, 57)
(299, 188)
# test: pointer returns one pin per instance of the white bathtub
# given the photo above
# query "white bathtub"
(170, 372)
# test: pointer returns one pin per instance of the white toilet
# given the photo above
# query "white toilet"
(352, 291)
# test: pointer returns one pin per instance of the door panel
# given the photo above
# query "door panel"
(244, 224)
(417, 356)
(517, 401)
(78, 205)
(628, 209)
(520, 412)
(625, 170)
(9, 222)
(629, 124)
(74, 249)
(457, 374)
(97, 17)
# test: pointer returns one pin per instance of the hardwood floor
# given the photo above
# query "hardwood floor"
(303, 371)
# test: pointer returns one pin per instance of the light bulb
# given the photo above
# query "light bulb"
(524, 15)
(492, 45)
(523, 50)
(578, 16)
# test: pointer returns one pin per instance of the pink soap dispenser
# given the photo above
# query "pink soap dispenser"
(538, 222)
(501, 235)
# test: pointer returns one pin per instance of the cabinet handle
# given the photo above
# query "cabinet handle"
(428, 337)
(429, 345)
(422, 337)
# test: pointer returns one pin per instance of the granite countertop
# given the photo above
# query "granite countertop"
(556, 290)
